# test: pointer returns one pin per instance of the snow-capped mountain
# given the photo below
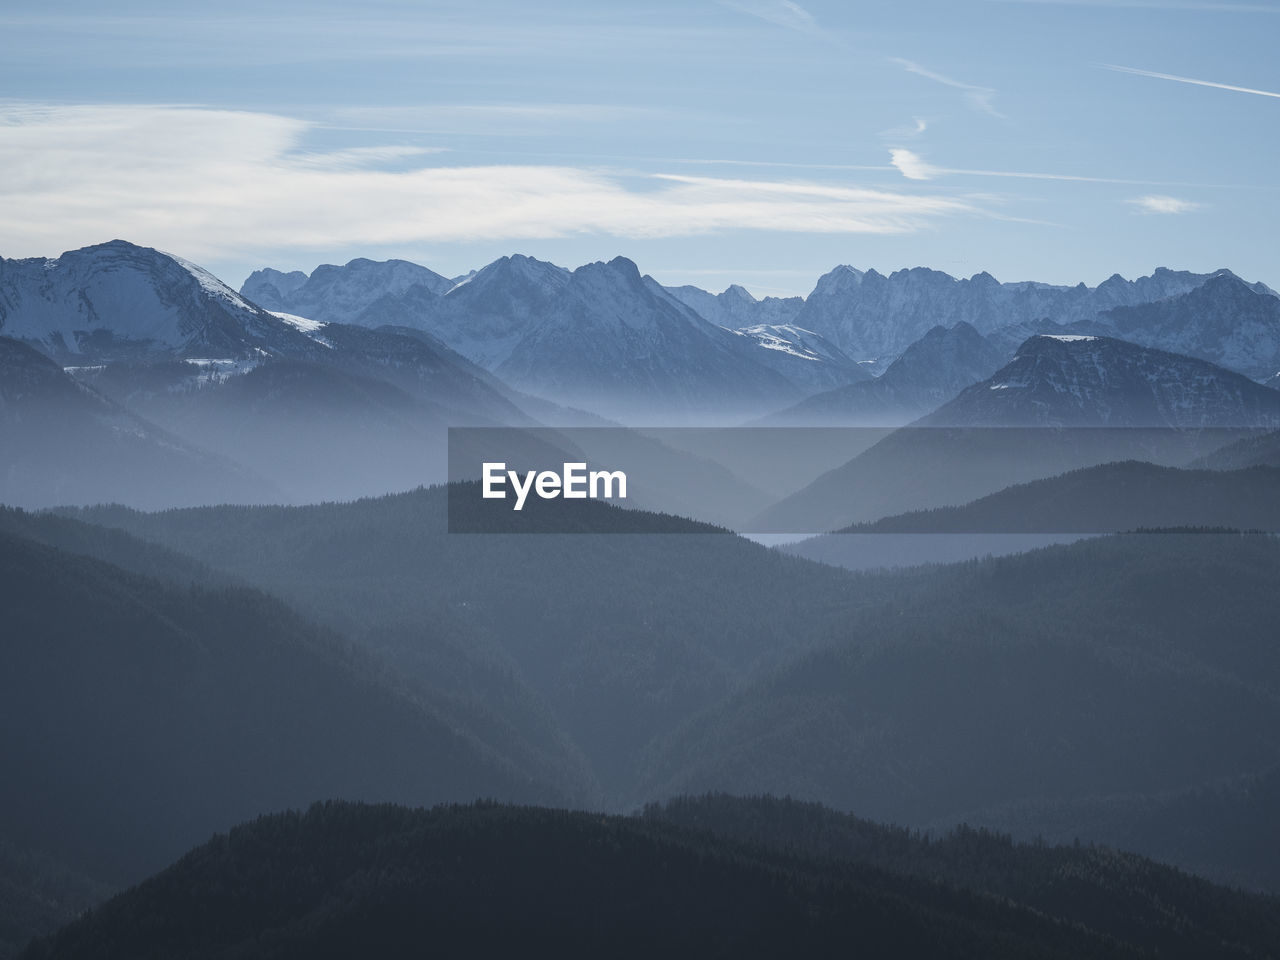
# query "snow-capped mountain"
(605, 338)
(808, 360)
(340, 294)
(121, 302)
(485, 317)
(869, 315)
(736, 308)
(1225, 321)
(1009, 429)
(1076, 380)
(117, 300)
(931, 371)
(614, 341)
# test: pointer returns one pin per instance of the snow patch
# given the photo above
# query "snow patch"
(302, 323)
(211, 284)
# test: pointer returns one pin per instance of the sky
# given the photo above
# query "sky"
(759, 142)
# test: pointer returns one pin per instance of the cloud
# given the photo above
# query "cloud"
(1198, 83)
(1157, 203)
(217, 182)
(979, 98)
(917, 127)
(784, 13)
(911, 166)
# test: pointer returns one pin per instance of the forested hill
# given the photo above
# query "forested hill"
(137, 716)
(346, 880)
(601, 641)
(1021, 689)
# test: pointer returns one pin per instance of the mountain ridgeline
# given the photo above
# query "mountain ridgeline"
(342, 879)
(363, 367)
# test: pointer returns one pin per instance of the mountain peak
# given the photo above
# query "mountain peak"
(1073, 380)
(626, 267)
(737, 292)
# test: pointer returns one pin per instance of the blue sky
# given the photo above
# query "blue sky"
(751, 141)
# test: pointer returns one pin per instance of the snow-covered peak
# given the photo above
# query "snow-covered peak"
(118, 299)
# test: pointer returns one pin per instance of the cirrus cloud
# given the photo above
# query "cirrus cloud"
(212, 182)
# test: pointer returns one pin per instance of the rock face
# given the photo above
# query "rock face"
(340, 294)
(614, 341)
(608, 339)
(1225, 321)
(871, 316)
(519, 316)
(929, 373)
(1076, 380)
(736, 308)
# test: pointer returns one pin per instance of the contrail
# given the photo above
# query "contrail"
(1198, 83)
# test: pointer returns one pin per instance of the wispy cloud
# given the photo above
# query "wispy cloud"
(1157, 203)
(979, 98)
(355, 158)
(783, 13)
(1198, 83)
(914, 167)
(916, 128)
(214, 183)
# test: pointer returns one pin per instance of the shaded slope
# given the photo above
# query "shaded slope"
(61, 442)
(139, 716)
(1118, 894)
(620, 636)
(1129, 665)
(1064, 402)
(929, 373)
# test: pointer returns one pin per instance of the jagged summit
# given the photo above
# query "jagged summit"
(340, 294)
(869, 315)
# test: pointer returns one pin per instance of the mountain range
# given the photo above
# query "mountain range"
(169, 672)
(1064, 402)
(687, 659)
(872, 316)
